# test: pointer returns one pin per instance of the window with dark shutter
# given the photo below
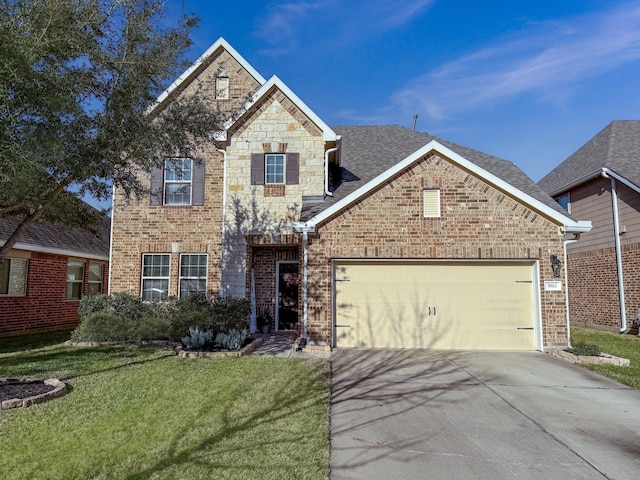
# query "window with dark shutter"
(257, 169)
(198, 183)
(293, 169)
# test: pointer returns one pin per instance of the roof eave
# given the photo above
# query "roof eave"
(433, 145)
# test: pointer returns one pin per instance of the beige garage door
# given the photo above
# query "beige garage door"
(452, 305)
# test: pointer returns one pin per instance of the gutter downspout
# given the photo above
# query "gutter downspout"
(566, 286)
(616, 234)
(305, 262)
(113, 212)
(326, 171)
(224, 215)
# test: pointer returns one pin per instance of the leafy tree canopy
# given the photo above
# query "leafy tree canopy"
(79, 79)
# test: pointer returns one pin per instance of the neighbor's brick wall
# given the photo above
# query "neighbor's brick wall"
(477, 222)
(44, 308)
(594, 297)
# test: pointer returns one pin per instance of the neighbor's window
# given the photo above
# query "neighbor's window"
(274, 168)
(155, 276)
(177, 181)
(431, 201)
(95, 278)
(75, 276)
(13, 276)
(193, 274)
(564, 202)
(222, 88)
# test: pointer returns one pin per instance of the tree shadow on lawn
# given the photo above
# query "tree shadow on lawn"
(66, 363)
(281, 407)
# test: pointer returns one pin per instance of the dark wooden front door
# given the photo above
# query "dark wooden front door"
(288, 283)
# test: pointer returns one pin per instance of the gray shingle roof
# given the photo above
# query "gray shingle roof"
(616, 147)
(367, 151)
(48, 236)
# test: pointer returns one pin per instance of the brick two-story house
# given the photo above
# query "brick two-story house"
(354, 236)
(601, 182)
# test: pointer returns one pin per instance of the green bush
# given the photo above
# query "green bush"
(101, 327)
(92, 304)
(127, 306)
(149, 328)
(231, 313)
(181, 321)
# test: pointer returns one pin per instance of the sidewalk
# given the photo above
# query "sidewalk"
(284, 346)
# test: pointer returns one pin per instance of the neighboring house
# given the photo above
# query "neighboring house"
(47, 272)
(354, 236)
(601, 182)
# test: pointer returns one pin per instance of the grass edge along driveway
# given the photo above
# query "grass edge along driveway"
(140, 412)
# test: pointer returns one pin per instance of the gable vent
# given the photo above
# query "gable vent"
(431, 202)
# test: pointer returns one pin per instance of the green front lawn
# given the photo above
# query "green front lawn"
(142, 413)
(625, 346)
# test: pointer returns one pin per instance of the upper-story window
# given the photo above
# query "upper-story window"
(13, 276)
(222, 88)
(275, 169)
(177, 181)
(564, 202)
(180, 182)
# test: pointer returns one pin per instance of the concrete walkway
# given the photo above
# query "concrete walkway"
(421, 414)
(284, 346)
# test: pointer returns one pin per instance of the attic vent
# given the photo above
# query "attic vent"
(431, 201)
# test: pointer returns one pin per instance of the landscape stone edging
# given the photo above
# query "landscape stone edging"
(246, 350)
(60, 389)
(603, 359)
(158, 343)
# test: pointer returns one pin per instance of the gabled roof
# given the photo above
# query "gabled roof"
(370, 155)
(59, 240)
(615, 148)
(275, 82)
(220, 44)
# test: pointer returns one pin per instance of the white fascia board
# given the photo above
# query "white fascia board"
(622, 179)
(220, 43)
(433, 145)
(598, 173)
(274, 81)
(57, 251)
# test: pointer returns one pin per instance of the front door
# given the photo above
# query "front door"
(287, 294)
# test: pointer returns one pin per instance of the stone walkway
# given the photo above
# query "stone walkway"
(284, 346)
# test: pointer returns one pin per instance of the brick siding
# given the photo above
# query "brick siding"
(44, 308)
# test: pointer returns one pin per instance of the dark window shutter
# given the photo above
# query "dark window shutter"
(197, 183)
(157, 179)
(293, 168)
(257, 169)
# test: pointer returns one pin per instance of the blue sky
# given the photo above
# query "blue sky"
(528, 81)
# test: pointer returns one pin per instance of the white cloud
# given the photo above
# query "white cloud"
(287, 22)
(546, 59)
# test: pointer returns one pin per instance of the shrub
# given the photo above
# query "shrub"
(234, 340)
(197, 339)
(148, 328)
(101, 327)
(127, 306)
(92, 304)
(181, 321)
(231, 313)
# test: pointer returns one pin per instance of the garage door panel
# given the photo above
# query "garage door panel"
(452, 305)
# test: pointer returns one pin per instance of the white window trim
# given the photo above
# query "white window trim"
(180, 277)
(94, 282)
(166, 182)
(284, 168)
(12, 261)
(143, 278)
(434, 211)
(81, 281)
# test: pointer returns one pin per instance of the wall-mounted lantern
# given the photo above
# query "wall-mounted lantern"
(556, 265)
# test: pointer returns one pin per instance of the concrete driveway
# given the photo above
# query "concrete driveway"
(421, 414)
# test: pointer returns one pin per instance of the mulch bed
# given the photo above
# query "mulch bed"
(10, 389)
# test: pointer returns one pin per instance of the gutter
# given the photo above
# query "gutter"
(224, 213)
(566, 285)
(616, 235)
(326, 171)
(305, 229)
